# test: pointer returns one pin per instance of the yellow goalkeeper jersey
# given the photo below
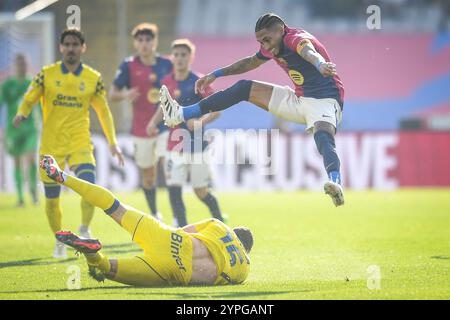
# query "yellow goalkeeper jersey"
(65, 99)
(231, 259)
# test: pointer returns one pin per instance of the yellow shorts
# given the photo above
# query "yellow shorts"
(168, 251)
(73, 159)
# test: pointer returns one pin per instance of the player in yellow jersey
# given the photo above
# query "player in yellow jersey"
(207, 252)
(67, 89)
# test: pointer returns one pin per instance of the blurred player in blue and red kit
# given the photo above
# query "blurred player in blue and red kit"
(186, 146)
(317, 101)
(138, 81)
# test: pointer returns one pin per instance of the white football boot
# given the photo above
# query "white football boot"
(334, 190)
(173, 114)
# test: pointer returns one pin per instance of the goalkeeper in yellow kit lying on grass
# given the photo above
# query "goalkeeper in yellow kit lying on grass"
(207, 252)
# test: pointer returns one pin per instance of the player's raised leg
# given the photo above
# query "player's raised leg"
(256, 92)
(95, 195)
(86, 172)
(132, 271)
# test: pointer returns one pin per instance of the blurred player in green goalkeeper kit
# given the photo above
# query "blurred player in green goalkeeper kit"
(21, 143)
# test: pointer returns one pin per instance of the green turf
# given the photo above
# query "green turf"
(304, 247)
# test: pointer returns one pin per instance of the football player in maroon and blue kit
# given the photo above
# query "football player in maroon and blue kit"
(138, 81)
(317, 101)
(186, 146)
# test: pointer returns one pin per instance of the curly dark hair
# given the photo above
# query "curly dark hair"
(72, 32)
(267, 21)
(245, 236)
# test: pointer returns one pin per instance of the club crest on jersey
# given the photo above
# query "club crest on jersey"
(152, 77)
(176, 93)
(153, 95)
(82, 86)
(58, 83)
(297, 77)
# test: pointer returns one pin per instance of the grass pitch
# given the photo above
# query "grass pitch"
(305, 248)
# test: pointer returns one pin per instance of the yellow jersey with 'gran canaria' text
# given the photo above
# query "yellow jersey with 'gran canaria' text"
(65, 99)
(233, 264)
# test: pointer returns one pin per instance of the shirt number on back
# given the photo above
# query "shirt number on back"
(232, 250)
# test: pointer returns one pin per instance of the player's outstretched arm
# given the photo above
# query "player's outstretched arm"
(32, 96)
(310, 54)
(241, 66)
(104, 115)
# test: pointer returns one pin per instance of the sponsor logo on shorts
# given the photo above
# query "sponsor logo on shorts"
(175, 247)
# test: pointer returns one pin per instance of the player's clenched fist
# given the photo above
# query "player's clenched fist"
(117, 152)
(202, 83)
(327, 69)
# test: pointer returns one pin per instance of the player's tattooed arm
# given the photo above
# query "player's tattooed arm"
(241, 66)
(309, 53)
(244, 65)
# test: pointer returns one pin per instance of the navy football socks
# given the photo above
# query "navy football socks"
(327, 148)
(220, 100)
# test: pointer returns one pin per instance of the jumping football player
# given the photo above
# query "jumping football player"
(207, 252)
(21, 143)
(317, 100)
(138, 80)
(183, 150)
(67, 89)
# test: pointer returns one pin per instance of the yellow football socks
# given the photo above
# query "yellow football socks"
(54, 213)
(93, 194)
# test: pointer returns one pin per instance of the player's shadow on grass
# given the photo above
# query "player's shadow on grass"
(109, 249)
(34, 262)
(215, 295)
(144, 291)
(441, 257)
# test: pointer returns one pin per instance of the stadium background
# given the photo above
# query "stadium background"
(396, 126)
(391, 243)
